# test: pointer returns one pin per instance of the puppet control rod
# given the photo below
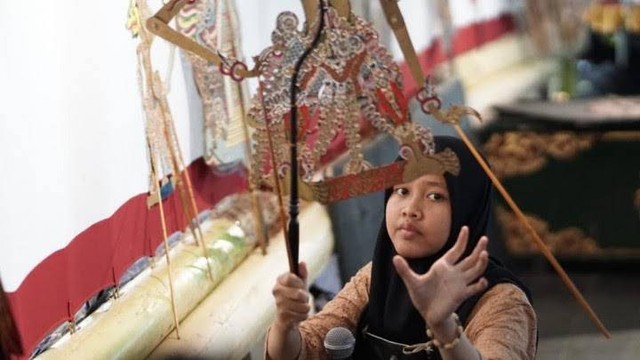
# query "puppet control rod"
(293, 241)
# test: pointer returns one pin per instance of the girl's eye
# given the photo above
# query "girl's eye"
(400, 191)
(436, 197)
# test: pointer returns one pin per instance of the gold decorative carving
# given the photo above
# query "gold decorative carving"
(344, 187)
(439, 163)
(568, 241)
(609, 18)
(521, 153)
(621, 135)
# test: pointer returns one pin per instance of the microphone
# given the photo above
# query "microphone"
(339, 343)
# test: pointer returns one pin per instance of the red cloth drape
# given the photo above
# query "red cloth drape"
(59, 286)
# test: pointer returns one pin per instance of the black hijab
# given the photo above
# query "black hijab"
(390, 313)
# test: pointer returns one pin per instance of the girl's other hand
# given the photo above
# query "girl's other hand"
(292, 299)
(450, 281)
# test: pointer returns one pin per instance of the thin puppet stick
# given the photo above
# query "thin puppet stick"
(534, 235)
(156, 185)
(396, 22)
(179, 163)
(276, 178)
(144, 61)
(261, 231)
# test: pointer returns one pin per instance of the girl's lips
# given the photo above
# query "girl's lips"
(407, 230)
(407, 233)
(407, 227)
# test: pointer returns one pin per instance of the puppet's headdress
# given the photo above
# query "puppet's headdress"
(349, 88)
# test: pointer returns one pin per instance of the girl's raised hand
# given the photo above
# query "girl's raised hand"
(450, 281)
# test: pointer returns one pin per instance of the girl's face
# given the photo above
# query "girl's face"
(419, 216)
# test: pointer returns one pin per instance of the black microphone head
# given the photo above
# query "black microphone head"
(339, 343)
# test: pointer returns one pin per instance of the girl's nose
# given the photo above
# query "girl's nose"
(411, 210)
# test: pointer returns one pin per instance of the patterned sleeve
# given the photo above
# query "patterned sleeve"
(344, 310)
(503, 325)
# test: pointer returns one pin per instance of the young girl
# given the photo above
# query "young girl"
(431, 290)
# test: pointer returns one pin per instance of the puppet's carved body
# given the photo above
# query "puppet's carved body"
(348, 78)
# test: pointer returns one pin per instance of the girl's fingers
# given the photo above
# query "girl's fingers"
(286, 305)
(457, 250)
(291, 280)
(304, 273)
(290, 294)
(289, 286)
(476, 287)
(471, 260)
(292, 304)
(292, 299)
(478, 267)
(406, 274)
